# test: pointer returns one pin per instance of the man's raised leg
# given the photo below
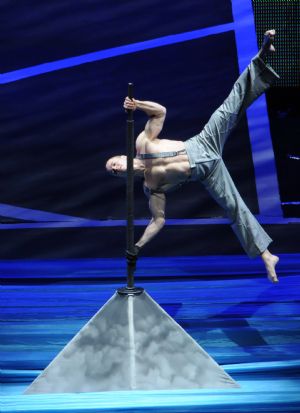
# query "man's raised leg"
(254, 81)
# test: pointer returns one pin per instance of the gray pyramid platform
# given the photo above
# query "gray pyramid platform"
(131, 344)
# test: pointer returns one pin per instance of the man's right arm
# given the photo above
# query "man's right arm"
(155, 111)
(157, 205)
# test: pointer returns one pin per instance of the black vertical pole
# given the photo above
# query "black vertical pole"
(130, 192)
(130, 247)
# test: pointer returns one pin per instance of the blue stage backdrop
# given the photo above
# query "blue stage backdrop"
(58, 128)
(63, 81)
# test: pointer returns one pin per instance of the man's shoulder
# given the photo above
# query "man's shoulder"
(149, 191)
(145, 145)
(140, 142)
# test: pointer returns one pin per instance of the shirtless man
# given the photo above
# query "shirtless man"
(166, 164)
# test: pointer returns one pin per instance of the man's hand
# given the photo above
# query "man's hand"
(129, 104)
(132, 256)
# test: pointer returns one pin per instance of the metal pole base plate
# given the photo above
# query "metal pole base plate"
(130, 291)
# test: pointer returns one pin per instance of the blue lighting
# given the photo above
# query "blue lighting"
(113, 52)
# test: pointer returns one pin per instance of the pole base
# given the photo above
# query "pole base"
(130, 290)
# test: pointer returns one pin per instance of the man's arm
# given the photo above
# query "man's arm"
(157, 205)
(155, 111)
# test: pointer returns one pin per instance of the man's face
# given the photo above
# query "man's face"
(117, 165)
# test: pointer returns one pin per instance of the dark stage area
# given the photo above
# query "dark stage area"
(209, 237)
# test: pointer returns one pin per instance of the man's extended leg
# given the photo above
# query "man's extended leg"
(251, 235)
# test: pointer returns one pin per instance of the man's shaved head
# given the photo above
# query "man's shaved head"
(117, 165)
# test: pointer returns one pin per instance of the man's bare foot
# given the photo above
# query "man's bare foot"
(267, 45)
(270, 262)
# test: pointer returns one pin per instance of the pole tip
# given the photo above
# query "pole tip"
(130, 90)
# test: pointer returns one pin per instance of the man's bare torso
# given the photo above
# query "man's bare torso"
(162, 174)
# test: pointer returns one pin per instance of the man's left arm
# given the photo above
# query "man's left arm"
(157, 205)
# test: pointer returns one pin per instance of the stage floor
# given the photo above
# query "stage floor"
(225, 303)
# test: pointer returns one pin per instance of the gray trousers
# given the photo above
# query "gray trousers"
(205, 155)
